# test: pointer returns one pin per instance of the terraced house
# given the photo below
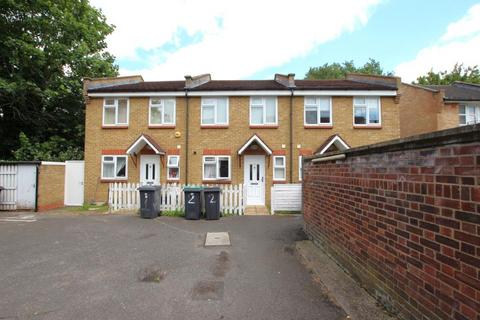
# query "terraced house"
(228, 132)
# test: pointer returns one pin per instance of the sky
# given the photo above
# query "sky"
(254, 39)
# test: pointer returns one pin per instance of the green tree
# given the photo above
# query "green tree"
(47, 48)
(338, 70)
(458, 73)
(54, 149)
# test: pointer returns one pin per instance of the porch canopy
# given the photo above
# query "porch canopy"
(333, 143)
(255, 140)
(141, 142)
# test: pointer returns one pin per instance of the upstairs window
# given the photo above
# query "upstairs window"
(366, 111)
(214, 111)
(173, 168)
(468, 114)
(114, 167)
(263, 111)
(115, 112)
(216, 168)
(162, 111)
(279, 168)
(318, 111)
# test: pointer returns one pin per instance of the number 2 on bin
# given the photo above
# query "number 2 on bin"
(212, 198)
(192, 198)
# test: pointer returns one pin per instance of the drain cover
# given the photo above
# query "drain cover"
(217, 239)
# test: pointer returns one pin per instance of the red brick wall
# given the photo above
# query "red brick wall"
(405, 223)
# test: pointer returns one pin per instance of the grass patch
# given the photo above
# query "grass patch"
(89, 208)
(288, 212)
(173, 214)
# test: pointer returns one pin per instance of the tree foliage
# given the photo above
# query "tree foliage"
(338, 70)
(458, 73)
(47, 48)
(54, 149)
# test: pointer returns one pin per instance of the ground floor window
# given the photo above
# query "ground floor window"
(216, 167)
(114, 167)
(279, 168)
(173, 168)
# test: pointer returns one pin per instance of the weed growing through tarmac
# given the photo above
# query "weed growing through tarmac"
(151, 274)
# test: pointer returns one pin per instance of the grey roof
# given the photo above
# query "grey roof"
(234, 85)
(459, 91)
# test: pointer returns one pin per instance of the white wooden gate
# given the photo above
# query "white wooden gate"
(26, 186)
(286, 197)
(8, 180)
(74, 173)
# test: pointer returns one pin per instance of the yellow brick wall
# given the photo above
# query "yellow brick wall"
(51, 187)
(448, 116)
(419, 109)
(232, 138)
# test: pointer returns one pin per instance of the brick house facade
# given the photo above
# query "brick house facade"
(176, 145)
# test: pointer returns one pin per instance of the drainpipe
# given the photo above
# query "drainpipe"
(36, 187)
(291, 134)
(186, 135)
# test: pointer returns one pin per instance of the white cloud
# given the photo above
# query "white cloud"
(460, 43)
(251, 36)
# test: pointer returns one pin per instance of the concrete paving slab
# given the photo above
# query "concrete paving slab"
(217, 239)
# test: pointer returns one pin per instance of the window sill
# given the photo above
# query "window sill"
(318, 126)
(264, 126)
(173, 180)
(113, 180)
(367, 126)
(217, 181)
(214, 126)
(115, 127)
(161, 126)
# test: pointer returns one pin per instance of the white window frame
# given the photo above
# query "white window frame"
(264, 105)
(284, 167)
(300, 167)
(367, 124)
(115, 105)
(115, 167)
(162, 105)
(172, 166)
(215, 121)
(476, 113)
(317, 105)
(217, 168)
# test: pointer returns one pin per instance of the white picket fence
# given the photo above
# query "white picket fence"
(8, 180)
(125, 196)
(286, 197)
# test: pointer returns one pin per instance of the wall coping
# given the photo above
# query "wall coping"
(463, 134)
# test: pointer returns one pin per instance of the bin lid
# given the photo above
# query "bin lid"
(149, 188)
(192, 189)
(214, 189)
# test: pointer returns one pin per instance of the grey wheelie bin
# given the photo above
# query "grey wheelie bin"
(193, 202)
(150, 201)
(212, 203)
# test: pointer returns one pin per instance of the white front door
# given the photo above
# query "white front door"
(74, 183)
(149, 169)
(254, 177)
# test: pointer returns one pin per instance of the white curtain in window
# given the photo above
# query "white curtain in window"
(210, 170)
(169, 111)
(271, 112)
(222, 110)
(122, 111)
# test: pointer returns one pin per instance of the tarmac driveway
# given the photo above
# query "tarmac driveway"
(124, 267)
